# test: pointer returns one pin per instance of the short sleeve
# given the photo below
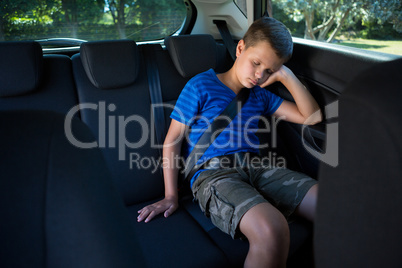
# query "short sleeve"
(187, 105)
(272, 102)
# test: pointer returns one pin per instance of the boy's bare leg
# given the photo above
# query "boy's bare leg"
(308, 205)
(268, 234)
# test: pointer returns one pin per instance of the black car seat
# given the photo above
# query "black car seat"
(58, 205)
(112, 83)
(31, 80)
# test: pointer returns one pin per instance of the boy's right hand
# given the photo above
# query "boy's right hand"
(166, 205)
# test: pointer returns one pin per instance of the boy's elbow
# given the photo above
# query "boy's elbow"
(314, 118)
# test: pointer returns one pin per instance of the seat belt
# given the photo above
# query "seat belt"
(226, 37)
(155, 92)
(216, 127)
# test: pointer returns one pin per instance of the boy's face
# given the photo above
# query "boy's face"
(255, 64)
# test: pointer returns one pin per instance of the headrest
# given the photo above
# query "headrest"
(192, 54)
(110, 64)
(21, 67)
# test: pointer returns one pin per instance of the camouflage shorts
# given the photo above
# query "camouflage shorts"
(225, 195)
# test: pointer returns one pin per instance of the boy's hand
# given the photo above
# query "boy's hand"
(167, 205)
(278, 76)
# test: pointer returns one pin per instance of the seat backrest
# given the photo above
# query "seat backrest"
(190, 55)
(58, 205)
(193, 54)
(29, 80)
(358, 221)
(113, 92)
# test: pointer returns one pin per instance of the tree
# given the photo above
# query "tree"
(153, 16)
(387, 11)
(324, 19)
(145, 19)
(25, 19)
(11, 8)
(70, 14)
(330, 14)
(156, 17)
(117, 9)
(76, 11)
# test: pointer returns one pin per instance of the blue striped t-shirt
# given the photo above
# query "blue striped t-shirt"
(204, 98)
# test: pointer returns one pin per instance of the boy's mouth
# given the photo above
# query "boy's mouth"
(254, 82)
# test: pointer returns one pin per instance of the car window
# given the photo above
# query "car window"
(372, 24)
(140, 20)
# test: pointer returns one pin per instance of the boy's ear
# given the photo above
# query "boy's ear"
(240, 47)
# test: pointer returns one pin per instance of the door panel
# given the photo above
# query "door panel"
(326, 70)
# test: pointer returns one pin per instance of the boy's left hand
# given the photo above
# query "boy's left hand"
(278, 76)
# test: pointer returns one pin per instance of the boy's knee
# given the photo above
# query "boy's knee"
(275, 230)
(267, 226)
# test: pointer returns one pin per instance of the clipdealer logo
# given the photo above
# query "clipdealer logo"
(112, 134)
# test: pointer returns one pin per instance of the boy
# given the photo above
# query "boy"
(228, 195)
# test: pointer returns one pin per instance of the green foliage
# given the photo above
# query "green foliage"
(374, 30)
(157, 16)
(324, 20)
(295, 26)
(387, 12)
(89, 19)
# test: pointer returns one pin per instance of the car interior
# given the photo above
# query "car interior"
(81, 134)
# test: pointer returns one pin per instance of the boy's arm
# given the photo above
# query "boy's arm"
(171, 152)
(305, 110)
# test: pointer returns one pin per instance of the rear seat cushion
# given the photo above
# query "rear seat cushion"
(59, 205)
(182, 51)
(20, 59)
(176, 241)
(110, 64)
